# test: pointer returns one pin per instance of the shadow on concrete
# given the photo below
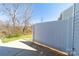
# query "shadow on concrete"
(9, 51)
(42, 50)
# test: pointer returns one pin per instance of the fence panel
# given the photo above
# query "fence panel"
(56, 34)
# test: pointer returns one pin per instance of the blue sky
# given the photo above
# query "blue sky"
(46, 11)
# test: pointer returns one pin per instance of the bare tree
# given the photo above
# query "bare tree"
(7, 25)
(27, 17)
(11, 10)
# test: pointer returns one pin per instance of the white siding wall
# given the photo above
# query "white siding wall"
(68, 13)
(76, 30)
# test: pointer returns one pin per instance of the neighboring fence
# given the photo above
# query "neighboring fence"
(56, 34)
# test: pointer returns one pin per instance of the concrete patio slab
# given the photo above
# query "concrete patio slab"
(17, 48)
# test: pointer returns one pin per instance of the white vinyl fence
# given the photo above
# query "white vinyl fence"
(56, 34)
(62, 34)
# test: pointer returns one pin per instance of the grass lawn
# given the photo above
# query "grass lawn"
(16, 37)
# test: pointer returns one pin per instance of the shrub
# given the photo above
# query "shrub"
(13, 35)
